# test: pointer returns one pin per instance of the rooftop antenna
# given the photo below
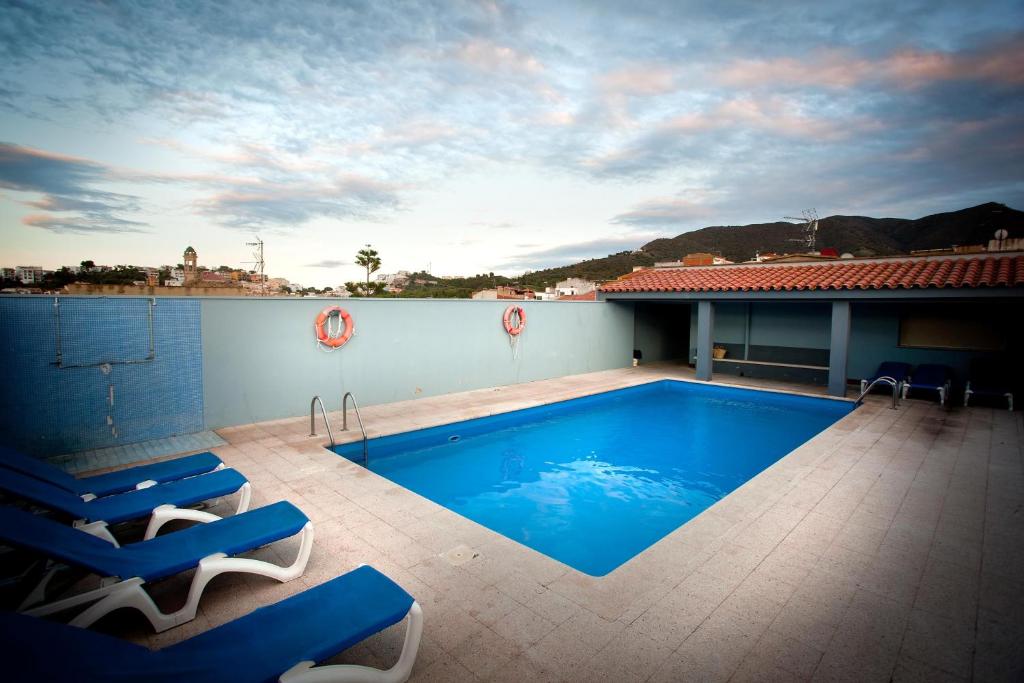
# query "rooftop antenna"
(810, 228)
(259, 262)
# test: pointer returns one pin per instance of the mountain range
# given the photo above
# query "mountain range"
(858, 235)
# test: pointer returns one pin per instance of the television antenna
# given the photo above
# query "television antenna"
(810, 228)
(259, 263)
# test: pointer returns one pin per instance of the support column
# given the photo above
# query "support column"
(839, 348)
(705, 337)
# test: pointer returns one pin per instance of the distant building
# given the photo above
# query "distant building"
(1006, 244)
(276, 283)
(191, 259)
(694, 260)
(208, 276)
(586, 296)
(503, 292)
(176, 279)
(9, 273)
(800, 258)
(29, 275)
(574, 285)
(394, 282)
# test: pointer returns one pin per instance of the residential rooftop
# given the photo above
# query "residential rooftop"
(908, 272)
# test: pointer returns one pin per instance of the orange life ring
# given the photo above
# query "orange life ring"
(324, 337)
(514, 330)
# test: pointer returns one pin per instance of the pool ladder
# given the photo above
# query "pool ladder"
(885, 379)
(344, 420)
(312, 419)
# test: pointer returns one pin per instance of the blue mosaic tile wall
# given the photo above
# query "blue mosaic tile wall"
(95, 372)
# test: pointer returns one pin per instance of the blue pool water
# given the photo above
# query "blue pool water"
(593, 481)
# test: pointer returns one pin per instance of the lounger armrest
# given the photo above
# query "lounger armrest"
(307, 672)
(99, 530)
(166, 513)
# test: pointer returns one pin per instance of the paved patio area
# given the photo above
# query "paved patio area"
(889, 547)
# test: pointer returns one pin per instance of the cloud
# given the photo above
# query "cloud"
(639, 80)
(82, 225)
(733, 127)
(563, 254)
(328, 263)
(262, 110)
(663, 212)
(489, 56)
(908, 67)
(290, 204)
(67, 187)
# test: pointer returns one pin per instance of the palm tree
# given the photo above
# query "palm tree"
(369, 259)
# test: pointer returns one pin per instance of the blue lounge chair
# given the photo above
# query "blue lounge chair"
(988, 379)
(127, 570)
(99, 485)
(897, 371)
(930, 377)
(282, 642)
(160, 503)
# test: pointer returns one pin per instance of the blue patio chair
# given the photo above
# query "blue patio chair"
(988, 379)
(282, 642)
(127, 570)
(98, 485)
(161, 503)
(897, 371)
(930, 377)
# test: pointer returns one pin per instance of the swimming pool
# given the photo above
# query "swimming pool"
(593, 481)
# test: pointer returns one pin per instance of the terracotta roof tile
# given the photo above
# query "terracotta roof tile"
(909, 273)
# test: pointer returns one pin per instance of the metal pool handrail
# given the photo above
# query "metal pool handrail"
(312, 419)
(344, 421)
(884, 379)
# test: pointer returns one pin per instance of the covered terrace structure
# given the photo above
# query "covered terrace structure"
(829, 323)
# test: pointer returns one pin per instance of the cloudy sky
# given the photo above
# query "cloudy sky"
(479, 136)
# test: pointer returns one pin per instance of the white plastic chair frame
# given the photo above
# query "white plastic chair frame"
(968, 392)
(115, 593)
(944, 390)
(162, 514)
(307, 672)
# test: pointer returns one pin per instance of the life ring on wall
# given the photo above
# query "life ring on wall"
(510, 327)
(323, 331)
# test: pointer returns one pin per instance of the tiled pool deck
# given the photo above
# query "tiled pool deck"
(889, 547)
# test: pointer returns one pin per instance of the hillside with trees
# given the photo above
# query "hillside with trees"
(858, 235)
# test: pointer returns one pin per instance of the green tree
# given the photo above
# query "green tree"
(86, 265)
(368, 258)
(365, 289)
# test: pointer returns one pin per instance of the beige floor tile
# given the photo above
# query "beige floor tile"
(863, 555)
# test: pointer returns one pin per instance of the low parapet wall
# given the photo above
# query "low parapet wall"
(81, 288)
(85, 372)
